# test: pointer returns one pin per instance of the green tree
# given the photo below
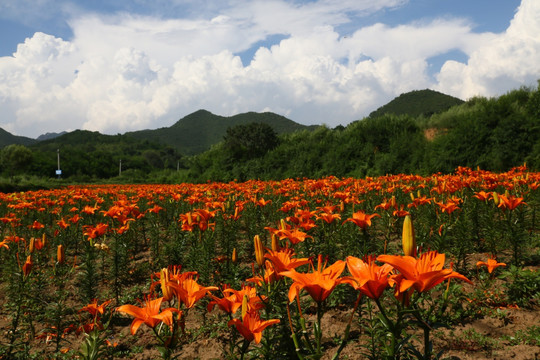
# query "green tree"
(250, 141)
(15, 159)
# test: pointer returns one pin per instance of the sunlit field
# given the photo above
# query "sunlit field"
(394, 267)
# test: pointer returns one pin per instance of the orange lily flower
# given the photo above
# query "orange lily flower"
(90, 210)
(188, 291)
(295, 235)
(62, 223)
(449, 207)
(156, 209)
(94, 309)
(367, 276)
(491, 264)
(269, 276)
(361, 219)
(233, 299)
(94, 231)
(419, 201)
(262, 202)
(328, 217)
(36, 225)
(387, 204)
(149, 314)
(4, 244)
(510, 202)
(320, 283)
(251, 326)
(482, 195)
(282, 260)
(423, 273)
(400, 212)
(228, 303)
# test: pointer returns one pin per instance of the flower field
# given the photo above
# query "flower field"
(394, 267)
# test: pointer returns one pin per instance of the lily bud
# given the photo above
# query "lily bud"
(43, 240)
(234, 256)
(259, 251)
(411, 195)
(165, 289)
(408, 240)
(275, 243)
(27, 267)
(282, 224)
(496, 198)
(31, 245)
(60, 254)
(244, 306)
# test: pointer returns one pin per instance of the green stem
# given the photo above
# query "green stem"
(318, 332)
(347, 329)
(393, 328)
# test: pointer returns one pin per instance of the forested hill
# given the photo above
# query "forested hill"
(7, 138)
(494, 134)
(418, 103)
(200, 130)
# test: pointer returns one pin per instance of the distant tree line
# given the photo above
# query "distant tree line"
(494, 134)
(491, 133)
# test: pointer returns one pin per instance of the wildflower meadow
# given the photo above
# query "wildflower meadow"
(373, 268)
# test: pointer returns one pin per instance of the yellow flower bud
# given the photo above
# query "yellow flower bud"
(60, 254)
(31, 245)
(408, 240)
(275, 243)
(259, 251)
(495, 198)
(165, 289)
(234, 256)
(411, 195)
(244, 306)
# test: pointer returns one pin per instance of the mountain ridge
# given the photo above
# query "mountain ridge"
(198, 131)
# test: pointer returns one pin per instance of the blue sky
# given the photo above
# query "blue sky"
(117, 66)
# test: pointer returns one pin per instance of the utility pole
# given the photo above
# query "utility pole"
(58, 171)
(120, 168)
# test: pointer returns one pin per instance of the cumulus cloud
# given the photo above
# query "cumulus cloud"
(126, 72)
(500, 63)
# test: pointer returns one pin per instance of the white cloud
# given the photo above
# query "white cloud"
(501, 63)
(126, 72)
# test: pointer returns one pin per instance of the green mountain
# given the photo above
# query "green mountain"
(198, 131)
(418, 103)
(7, 138)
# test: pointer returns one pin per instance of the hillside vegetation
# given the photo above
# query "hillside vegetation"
(7, 138)
(494, 134)
(418, 103)
(200, 130)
